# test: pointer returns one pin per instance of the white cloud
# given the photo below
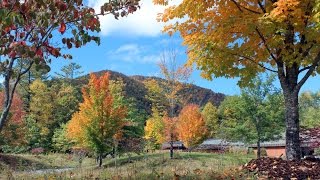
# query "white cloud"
(133, 53)
(143, 22)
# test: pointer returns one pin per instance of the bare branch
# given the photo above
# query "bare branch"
(261, 7)
(303, 69)
(309, 72)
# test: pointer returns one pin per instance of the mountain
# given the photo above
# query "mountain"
(134, 87)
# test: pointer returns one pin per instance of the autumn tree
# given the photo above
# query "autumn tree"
(14, 133)
(174, 76)
(34, 31)
(99, 122)
(242, 38)
(40, 117)
(154, 130)
(191, 126)
(156, 96)
(210, 114)
(23, 87)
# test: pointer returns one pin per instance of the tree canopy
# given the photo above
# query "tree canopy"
(242, 38)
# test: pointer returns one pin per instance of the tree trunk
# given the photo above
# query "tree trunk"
(100, 160)
(293, 149)
(8, 96)
(171, 149)
(258, 149)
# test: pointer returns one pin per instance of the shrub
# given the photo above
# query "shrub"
(264, 152)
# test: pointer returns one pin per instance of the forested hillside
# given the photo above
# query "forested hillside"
(135, 87)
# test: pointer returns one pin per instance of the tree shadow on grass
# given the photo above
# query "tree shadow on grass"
(19, 163)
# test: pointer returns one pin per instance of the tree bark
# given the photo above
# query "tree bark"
(293, 149)
(258, 149)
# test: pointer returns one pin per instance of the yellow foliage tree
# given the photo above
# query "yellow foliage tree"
(154, 129)
(242, 38)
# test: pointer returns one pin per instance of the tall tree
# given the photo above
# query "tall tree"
(34, 31)
(70, 71)
(191, 126)
(174, 76)
(99, 122)
(40, 116)
(242, 38)
(210, 113)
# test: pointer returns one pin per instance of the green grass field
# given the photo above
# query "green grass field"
(144, 166)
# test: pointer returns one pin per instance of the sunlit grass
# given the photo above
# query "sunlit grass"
(149, 166)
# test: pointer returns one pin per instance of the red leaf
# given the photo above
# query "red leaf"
(62, 28)
(39, 53)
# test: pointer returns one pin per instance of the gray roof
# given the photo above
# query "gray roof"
(221, 142)
(277, 143)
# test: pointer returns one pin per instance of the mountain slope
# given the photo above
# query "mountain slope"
(134, 87)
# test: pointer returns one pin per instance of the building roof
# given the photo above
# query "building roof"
(217, 144)
(308, 138)
(278, 143)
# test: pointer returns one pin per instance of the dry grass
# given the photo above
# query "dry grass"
(156, 166)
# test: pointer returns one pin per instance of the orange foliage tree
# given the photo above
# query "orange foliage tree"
(191, 126)
(98, 123)
(170, 129)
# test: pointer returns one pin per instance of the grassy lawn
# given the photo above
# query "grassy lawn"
(145, 166)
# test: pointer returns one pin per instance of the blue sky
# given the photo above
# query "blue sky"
(133, 45)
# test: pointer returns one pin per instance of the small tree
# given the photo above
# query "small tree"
(98, 123)
(257, 115)
(191, 126)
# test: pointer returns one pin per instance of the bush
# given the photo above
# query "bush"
(264, 152)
